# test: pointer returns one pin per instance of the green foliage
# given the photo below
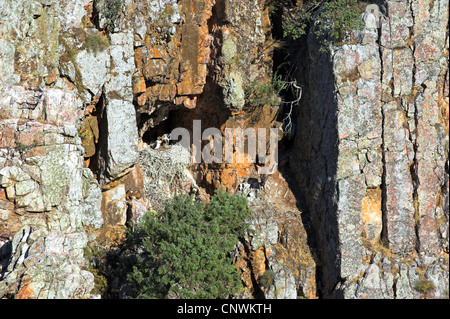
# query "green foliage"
(331, 18)
(425, 286)
(22, 147)
(167, 12)
(70, 56)
(338, 16)
(265, 93)
(184, 250)
(100, 282)
(266, 279)
(97, 260)
(95, 43)
(111, 11)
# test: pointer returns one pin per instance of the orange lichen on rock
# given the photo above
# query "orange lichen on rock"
(111, 236)
(443, 100)
(371, 213)
(177, 70)
(26, 290)
(258, 261)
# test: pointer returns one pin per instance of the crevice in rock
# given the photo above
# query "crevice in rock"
(394, 288)
(101, 154)
(414, 166)
(151, 123)
(257, 291)
(297, 154)
(98, 111)
(95, 16)
(5, 256)
(384, 230)
(415, 183)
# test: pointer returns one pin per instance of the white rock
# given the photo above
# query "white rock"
(7, 76)
(283, 286)
(94, 67)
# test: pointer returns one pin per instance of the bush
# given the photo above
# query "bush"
(265, 93)
(425, 286)
(266, 279)
(184, 250)
(111, 10)
(332, 18)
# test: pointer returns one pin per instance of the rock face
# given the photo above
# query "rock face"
(359, 208)
(119, 116)
(275, 258)
(375, 150)
(50, 204)
(172, 51)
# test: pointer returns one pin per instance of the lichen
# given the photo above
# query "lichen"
(70, 56)
(233, 91)
(95, 43)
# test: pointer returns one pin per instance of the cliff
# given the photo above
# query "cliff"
(373, 137)
(358, 207)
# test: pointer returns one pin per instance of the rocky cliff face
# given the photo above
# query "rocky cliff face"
(373, 139)
(358, 209)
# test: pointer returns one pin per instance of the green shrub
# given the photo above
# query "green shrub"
(425, 286)
(70, 55)
(184, 249)
(266, 279)
(111, 10)
(100, 282)
(265, 93)
(332, 18)
(97, 257)
(22, 147)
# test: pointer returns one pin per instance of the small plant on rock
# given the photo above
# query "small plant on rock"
(266, 279)
(111, 11)
(425, 287)
(261, 93)
(95, 43)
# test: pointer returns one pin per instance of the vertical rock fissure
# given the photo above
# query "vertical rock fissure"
(384, 229)
(414, 165)
(257, 291)
(292, 62)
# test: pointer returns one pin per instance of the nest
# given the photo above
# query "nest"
(165, 172)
